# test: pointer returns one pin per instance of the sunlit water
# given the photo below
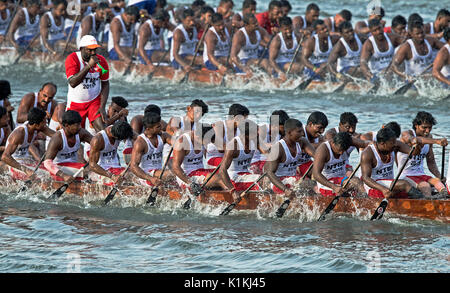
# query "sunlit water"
(39, 235)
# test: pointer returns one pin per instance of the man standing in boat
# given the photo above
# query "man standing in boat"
(62, 159)
(42, 100)
(25, 25)
(441, 65)
(217, 45)
(52, 27)
(87, 74)
(122, 35)
(414, 171)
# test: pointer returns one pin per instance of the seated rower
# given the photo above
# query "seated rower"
(344, 58)
(122, 35)
(4, 131)
(414, 171)
(245, 46)
(217, 45)
(62, 159)
(398, 26)
(441, 65)
(42, 100)
(248, 7)
(362, 27)
(194, 112)
(104, 161)
(286, 7)
(184, 43)
(268, 20)
(225, 8)
(282, 50)
(147, 154)
(20, 154)
(372, 135)
(377, 168)
(305, 24)
(151, 46)
(25, 26)
(333, 22)
(5, 19)
(284, 157)
(206, 13)
(330, 160)
(94, 23)
(55, 123)
(436, 29)
(52, 27)
(5, 93)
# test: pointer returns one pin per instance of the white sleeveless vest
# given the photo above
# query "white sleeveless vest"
(54, 32)
(68, 154)
(352, 58)
(188, 47)
(418, 63)
(242, 162)
(4, 22)
(289, 166)
(382, 171)
(318, 57)
(152, 160)
(335, 167)
(94, 32)
(154, 41)
(446, 69)
(249, 51)
(222, 47)
(126, 37)
(414, 167)
(22, 150)
(108, 156)
(285, 55)
(192, 161)
(29, 29)
(380, 60)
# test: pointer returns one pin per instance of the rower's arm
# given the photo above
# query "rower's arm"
(211, 43)
(435, 43)
(236, 46)
(321, 156)
(307, 147)
(274, 50)
(115, 31)
(367, 158)
(85, 136)
(86, 26)
(270, 167)
(335, 53)
(44, 25)
(18, 21)
(228, 156)
(167, 138)
(359, 143)
(442, 59)
(77, 79)
(54, 146)
(97, 145)
(144, 33)
(366, 54)
(48, 132)
(139, 148)
(14, 141)
(172, 126)
(362, 28)
(431, 163)
(178, 156)
(24, 107)
(399, 58)
(307, 51)
(178, 38)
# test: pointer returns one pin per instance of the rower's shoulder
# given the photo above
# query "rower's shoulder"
(27, 98)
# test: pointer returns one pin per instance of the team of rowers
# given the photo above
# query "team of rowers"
(243, 41)
(285, 149)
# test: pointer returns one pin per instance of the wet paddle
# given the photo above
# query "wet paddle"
(154, 193)
(187, 204)
(305, 83)
(113, 192)
(150, 76)
(186, 76)
(27, 48)
(70, 33)
(231, 206)
(443, 163)
(57, 194)
(222, 83)
(334, 202)
(378, 214)
(128, 69)
(265, 49)
(403, 89)
(282, 209)
(29, 181)
(299, 46)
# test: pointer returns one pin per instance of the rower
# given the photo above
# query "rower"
(330, 160)
(372, 135)
(206, 13)
(62, 159)
(317, 49)
(55, 123)
(441, 65)
(345, 56)
(4, 129)
(414, 171)
(268, 135)
(282, 49)
(20, 154)
(5, 19)
(376, 12)
(94, 23)
(151, 46)
(378, 50)
(377, 168)
(313, 130)
(285, 156)
(245, 45)
(42, 100)
(286, 7)
(224, 132)
(248, 7)
(25, 25)
(103, 157)
(225, 8)
(416, 53)
(5, 93)
(69, 23)
(194, 112)
(184, 43)
(398, 26)
(188, 152)
(333, 22)
(52, 27)
(268, 20)
(436, 29)
(147, 155)
(305, 24)
(122, 34)
(217, 45)
(88, 85)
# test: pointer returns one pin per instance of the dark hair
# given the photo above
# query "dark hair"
(285, 20)
(318, 118)
(274, 3)
(291, 124)
(4, 1)
(36, 116)
(5, 89)
(317, 22)
(398, 20)
(216, 17)
(200, 103)
(415, 17)
(346, 14)
(161, 3)
(394, 126)
(246, 126)
(374, 22)
(152, 108)
(345, 25)
(206, 9)
(375, 10)
(71, 117)
(312, 6)
(132, 10)
(343, 140)
(120, 101)
(57, 2)
(248, 3)
(33, 2)
(247, 17)
(198, 3)
(443, 13)
(423, 117)
(447, 34)
(186, 13)
(49, 83)
(385, 134)
(285, 3)
(102, 6)
(3, 109)
(226, 1)
(348, 117)
(122, 130)
(161, 15)
(282, 116)
(238, 109)
(415, 24)
(150, 119)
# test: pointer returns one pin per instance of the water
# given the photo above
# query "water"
(78, 234)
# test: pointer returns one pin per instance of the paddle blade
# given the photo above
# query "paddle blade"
(228, 209)
(282, 209)
(152, 197)
(380, 210)
(304, 84)
(187, 204)
(329, 208)
(340, 88)
(374, 89)
(185, 78)
(150, 76)
(404, 89)
(110, 196)
(59, 191)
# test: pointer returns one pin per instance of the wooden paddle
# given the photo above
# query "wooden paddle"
(299, 45)
(27, 47)
(378, 214)
(128, 69)
(154, 193)
(282, 209)
(334, 202)
(57, 194)
(187, 204)
(113, 192)
(403, 89)
(29, 181)
(443, 163)
(262, 56)
(150, 76)
(70, 33)
(305, 83)
(231, 206)
(186, 76)
(222, 83)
